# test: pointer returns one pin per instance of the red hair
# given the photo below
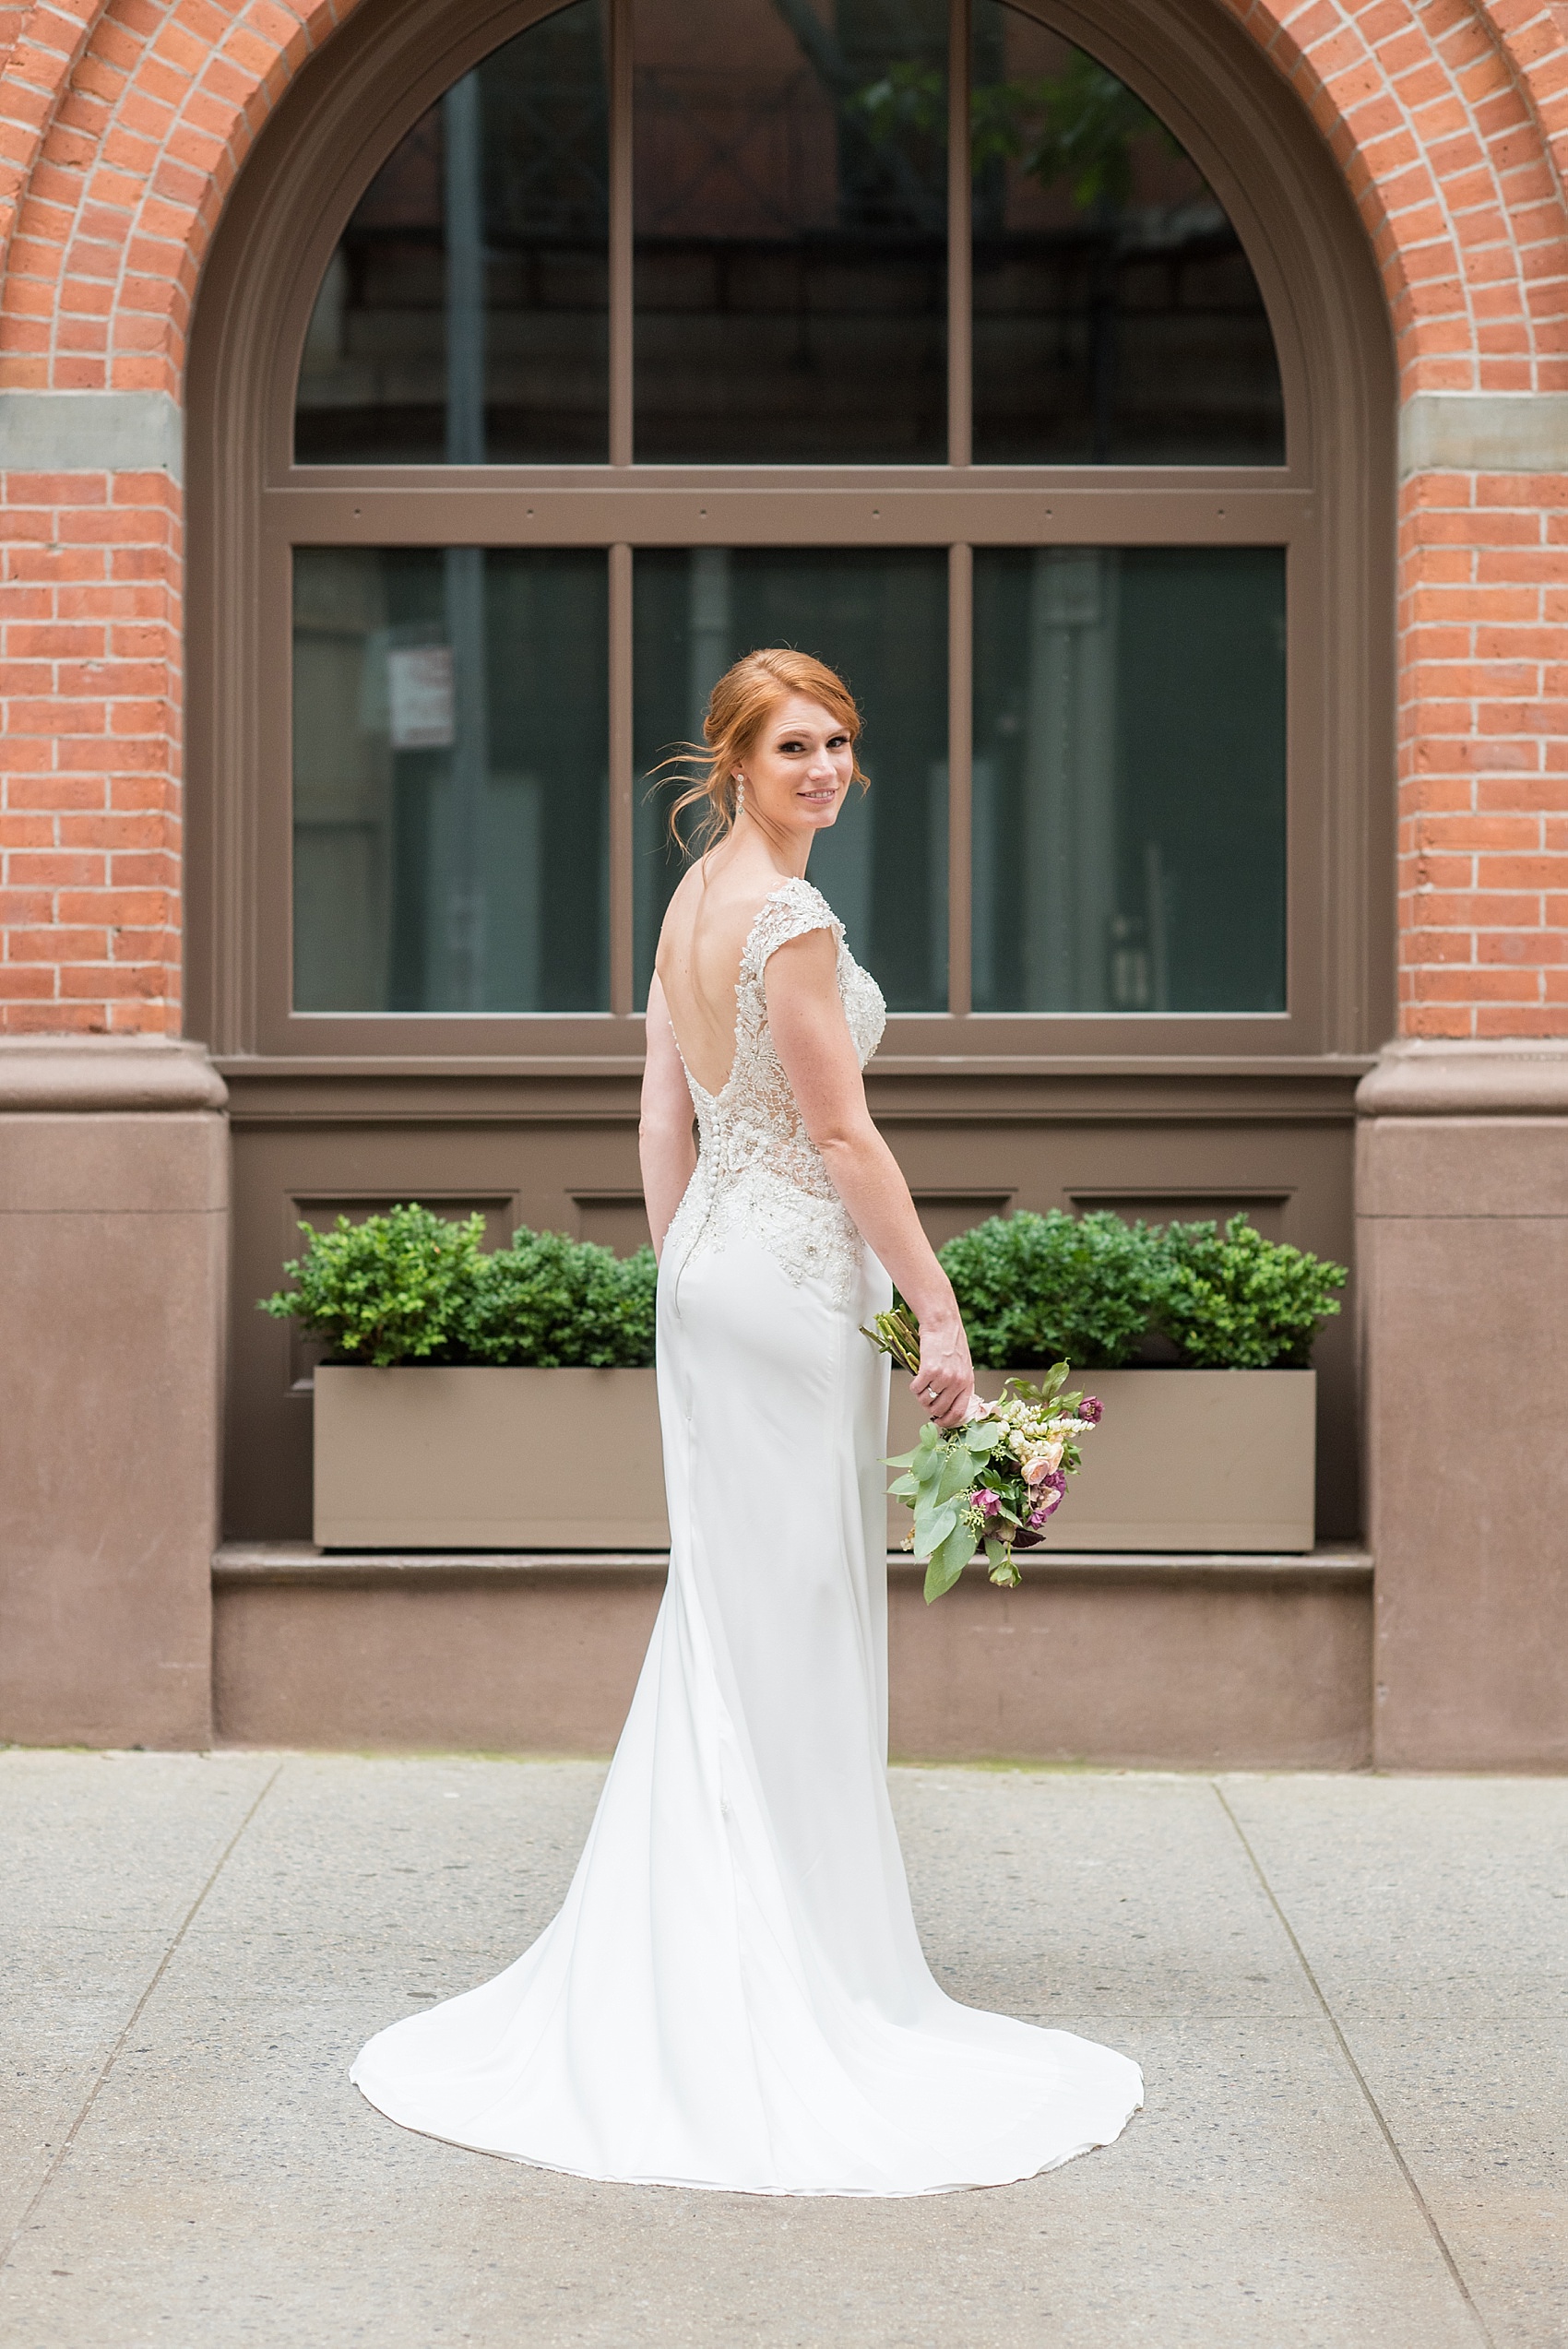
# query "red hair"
(737, 709)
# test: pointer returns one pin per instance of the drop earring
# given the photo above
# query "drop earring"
(740, 793)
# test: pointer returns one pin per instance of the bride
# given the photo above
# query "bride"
(733, 1994)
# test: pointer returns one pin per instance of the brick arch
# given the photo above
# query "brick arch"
(125, 125)
(1449, 121)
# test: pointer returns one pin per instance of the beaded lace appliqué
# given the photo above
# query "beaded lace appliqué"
(758, 1170)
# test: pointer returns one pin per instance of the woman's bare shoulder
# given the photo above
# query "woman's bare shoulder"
(714, 912)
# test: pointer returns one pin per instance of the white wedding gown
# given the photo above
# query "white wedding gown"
(733, 1994)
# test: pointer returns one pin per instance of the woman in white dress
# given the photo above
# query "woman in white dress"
(733, 1994)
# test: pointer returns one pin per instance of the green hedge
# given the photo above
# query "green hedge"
(1088, 1288)
(412, 1287)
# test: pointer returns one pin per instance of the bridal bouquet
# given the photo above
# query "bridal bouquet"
(993, 1482)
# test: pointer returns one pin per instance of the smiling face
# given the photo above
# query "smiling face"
(799, 768)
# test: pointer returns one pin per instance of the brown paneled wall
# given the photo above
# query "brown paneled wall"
(561, 1153)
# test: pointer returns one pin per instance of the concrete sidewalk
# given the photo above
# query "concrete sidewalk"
(1350, 1996)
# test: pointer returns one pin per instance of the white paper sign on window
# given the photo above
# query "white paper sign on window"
(419, 694)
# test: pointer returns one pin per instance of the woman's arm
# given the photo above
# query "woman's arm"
(813, 1040)
(665, 1142)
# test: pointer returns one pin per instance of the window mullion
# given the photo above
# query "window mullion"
(960, 737)
(620, 231)
(621, 842)
(960, 397)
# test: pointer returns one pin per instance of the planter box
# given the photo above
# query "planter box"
(493, 1459)
(1205, 1460)
(487, 1459)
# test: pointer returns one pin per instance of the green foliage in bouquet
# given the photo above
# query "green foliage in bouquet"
(391, 1289)
(938, 1482)
(1035, 1288)
(561, 1303)
(410, 1285)
(1237, 1301)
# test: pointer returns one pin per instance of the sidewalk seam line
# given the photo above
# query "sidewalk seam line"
(1449, 2262)
(131, 2020)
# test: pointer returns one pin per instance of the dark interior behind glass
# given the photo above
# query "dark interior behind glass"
(463, 318)
(1117, 320)
(1129, 779)
(789, 161)
(450, 780)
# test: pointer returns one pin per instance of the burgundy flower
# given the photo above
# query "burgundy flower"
(1092, 1409)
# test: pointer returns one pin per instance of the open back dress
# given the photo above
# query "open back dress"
(733, 1994)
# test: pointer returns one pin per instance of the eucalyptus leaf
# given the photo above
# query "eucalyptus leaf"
(933, 1527)
(958, 1471)
(948, 1561)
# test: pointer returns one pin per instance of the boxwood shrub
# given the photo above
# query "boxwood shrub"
(411, 1286)
(1056, 1288)
(1087, 1290)
(1233, 1300)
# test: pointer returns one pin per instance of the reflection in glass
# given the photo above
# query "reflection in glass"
(1129, 779)
(790, 216)
(462, 318)
(1117, 320)
(879, 619)
(450, 780)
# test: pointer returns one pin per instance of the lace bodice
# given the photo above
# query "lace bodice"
(758, 1170)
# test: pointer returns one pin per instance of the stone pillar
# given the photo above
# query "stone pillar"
(1461, 1209)
(113, 1244)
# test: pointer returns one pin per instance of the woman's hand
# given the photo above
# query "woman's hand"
(943, 1386)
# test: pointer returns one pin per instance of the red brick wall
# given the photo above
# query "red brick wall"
(90, 827)
(122, 126)
(1483, 756)
(121, 130)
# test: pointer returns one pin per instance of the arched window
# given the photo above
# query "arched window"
(929, 337)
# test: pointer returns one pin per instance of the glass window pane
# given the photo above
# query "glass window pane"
(881, 620)
(451, 736)
(790, 208)
(1129, 781)
(462, 318)
(1117, 320)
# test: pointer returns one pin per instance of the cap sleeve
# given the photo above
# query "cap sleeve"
(789, 912)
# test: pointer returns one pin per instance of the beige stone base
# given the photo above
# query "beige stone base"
(1462, 1201)
(1182, 1663)
(114, 1236)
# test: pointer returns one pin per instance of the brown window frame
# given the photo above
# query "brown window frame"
(1329, 505)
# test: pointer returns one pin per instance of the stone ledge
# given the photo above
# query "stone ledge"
(91, 432)
(298, 1565)
(1416, 1078)
(66, 1074)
